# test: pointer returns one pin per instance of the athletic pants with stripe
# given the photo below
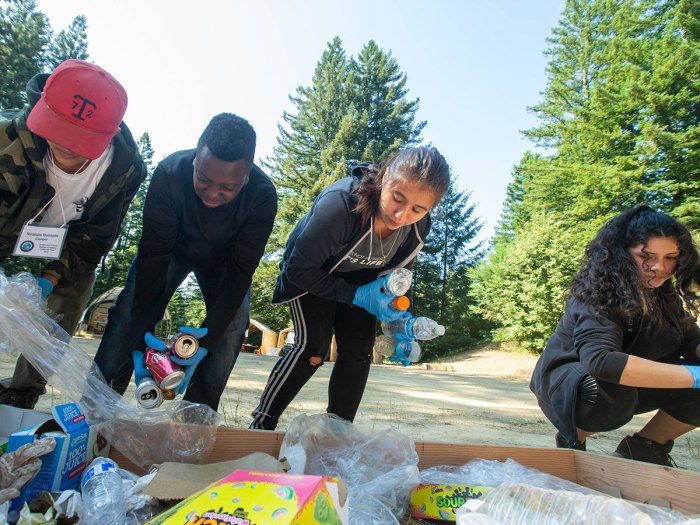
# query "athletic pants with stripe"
(315, 320)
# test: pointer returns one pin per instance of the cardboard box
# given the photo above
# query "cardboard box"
(13, 419)
(437, 501)
(636, 481)
(247, 497)
(62, 468)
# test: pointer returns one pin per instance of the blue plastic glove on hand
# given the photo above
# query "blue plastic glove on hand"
(140, 370)
(190, 364)
(197, 333)
(153, 342)
(371, 298)
(695, 372)
(46, 287)
(399, 352)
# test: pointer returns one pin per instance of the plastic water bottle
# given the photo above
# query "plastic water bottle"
(398, 282)
(421, 328)
(520, 504)
(409, 350)
(103, 497)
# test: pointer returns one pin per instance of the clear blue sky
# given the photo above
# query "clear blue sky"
(475, 65)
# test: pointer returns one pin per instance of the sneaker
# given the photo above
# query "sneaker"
(563, 443)
(18, 398)
(641, 449)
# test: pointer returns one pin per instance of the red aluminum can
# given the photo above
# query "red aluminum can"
(184, 346)
(167, 374)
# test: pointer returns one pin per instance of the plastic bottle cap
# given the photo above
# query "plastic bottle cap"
(401, 303)
(440, 330)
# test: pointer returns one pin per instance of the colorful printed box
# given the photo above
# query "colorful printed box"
(246, 497)
(439, 502)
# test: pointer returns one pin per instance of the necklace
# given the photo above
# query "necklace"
(381, 244)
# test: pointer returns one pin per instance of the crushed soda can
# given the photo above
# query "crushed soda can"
(168, 395)
(148, 393)
(184, 346)
(166, 373)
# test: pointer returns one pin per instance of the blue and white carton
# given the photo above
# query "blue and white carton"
(61, 469)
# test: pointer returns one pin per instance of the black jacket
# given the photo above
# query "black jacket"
(323, 238)
(24, 190)
(586, 342)
(230, 238)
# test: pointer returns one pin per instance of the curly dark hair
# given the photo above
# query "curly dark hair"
(421, 164)
(610, 280)
(229, 138)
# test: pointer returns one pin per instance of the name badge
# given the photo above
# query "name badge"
(41, 241)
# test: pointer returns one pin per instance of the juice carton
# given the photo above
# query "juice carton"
(75, 446)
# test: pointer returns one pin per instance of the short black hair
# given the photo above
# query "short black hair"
(229, 138)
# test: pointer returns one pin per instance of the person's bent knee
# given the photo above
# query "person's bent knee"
(614, 407)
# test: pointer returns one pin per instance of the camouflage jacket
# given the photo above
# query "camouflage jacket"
(24, 191)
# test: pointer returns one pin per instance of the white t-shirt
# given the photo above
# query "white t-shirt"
(73, 189)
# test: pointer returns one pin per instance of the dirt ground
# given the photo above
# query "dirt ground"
(479, 397)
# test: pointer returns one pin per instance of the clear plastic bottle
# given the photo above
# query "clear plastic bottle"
(520, 504)
(421, 328)
(386, 345)
(398, 282)
(103, 496)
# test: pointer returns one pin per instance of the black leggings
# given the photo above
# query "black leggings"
(608, 406)
(315, 321)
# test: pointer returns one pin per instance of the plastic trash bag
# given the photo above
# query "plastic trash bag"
(177, 431)
(380, 469)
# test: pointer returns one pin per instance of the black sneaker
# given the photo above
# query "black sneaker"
(641, 449)
(562, 443)
(18, 398)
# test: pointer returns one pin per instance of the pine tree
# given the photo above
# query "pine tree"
(69, 43)
(25, 35)
(313, 148)
(387, 118)
(355, 110)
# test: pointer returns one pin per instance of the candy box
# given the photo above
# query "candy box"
(439, 501)
(247, 497)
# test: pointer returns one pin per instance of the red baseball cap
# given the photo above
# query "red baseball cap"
(80, 108)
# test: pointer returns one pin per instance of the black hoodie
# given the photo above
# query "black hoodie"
(324, 237)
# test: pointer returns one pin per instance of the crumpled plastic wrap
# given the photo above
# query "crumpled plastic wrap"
(515, 477)
(521, 504)
(17, 468)
(177, 431)
(380, 470)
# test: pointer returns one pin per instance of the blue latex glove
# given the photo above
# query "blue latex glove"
(371, 298)
(140, 370)
(197, 333)
(190, 364)
(399, 354)
(695, 372)
(153, 342)
(46, 287)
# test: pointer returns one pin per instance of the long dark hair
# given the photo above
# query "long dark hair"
(610, 280)
(423, 165)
